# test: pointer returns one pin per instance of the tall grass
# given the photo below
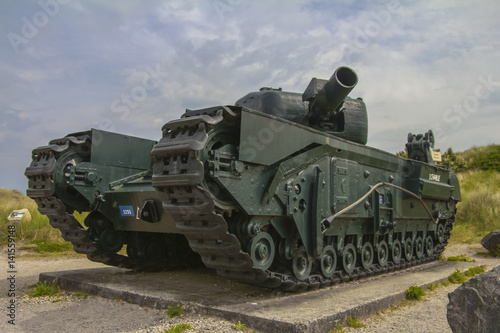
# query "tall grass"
(482, 158)
(479, 212)
(34, 231)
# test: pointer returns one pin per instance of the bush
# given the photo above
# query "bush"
(414, 293)
(451, 160)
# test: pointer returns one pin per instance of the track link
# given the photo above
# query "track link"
(178, 174)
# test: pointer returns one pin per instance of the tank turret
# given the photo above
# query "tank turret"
(324, 106)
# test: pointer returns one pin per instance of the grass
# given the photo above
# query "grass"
(81, 295)
(495, 252)
(479, 212)
(50, 246)
(415, 293)
(45, 289)
(462, 257)
(179, 328)
(339, 328)
(432, 286)
(240, 326)
(354, 322)
(473, 271)
(37, 228)
(175, 311)
(482, 158)
(457, 277)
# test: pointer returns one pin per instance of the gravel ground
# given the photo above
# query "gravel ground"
(428, 315)
(94, 314)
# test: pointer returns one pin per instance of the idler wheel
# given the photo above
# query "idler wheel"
(262, 250)
(429, 245)
(419, 247)
(408, 249)
(349, 258)
(367, 255)
(396, 251)
(383, 253)
(328, 261)
(302, 265)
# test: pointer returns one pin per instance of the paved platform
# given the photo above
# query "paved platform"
(202, 291)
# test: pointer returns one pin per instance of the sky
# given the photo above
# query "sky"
(126, 66)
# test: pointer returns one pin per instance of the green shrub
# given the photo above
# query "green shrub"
(453, 161)
(414, 293)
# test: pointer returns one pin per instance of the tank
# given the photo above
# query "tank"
(278, 190)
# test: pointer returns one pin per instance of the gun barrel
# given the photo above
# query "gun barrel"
(326, 96)
(340, 85)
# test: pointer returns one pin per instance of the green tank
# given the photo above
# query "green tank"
(278, 190)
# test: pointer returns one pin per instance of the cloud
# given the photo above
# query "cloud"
(415, 62)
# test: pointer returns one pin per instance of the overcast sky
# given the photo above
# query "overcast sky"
(128, 66)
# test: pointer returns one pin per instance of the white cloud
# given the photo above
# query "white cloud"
(413, 65)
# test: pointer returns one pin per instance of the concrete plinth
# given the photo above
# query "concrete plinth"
(202, 291)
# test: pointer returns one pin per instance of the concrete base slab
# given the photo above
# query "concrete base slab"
(202, 291)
